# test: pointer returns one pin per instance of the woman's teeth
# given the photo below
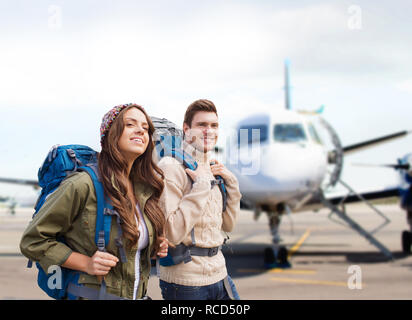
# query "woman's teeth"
(138, 140)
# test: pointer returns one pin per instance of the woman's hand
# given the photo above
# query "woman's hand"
(98, 265)
(101, 263)
(164, 245)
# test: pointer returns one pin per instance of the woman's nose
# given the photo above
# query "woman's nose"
(139, 129)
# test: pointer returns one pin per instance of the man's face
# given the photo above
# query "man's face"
(203, 132)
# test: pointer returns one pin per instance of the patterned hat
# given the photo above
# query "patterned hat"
(109, 117)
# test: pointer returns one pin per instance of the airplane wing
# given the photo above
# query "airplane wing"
(4, 199)
(340, 197)
(367, 195)
(370, 143)
(33, 183)
(337, 198)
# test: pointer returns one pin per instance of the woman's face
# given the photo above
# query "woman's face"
(135, 137)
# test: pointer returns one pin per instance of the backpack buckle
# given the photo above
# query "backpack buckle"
(100, 242)
(213, 251)
(216, 182)
(71, 153)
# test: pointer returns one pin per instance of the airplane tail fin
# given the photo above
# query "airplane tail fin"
(288, 105)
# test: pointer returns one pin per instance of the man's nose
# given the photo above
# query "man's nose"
(209, 129)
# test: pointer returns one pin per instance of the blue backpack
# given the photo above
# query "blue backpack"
(168, 141)
(60, 162)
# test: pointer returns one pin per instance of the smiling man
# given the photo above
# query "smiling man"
(194, 212)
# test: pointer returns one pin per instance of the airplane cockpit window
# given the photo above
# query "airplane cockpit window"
(289, 132)
(260, 134)
(313, 133)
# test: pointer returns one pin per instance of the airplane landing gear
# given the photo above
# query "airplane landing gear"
(277, 259)
(406, 242)
(276, 256)
(407, 235)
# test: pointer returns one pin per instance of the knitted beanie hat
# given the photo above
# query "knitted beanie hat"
(109, 117)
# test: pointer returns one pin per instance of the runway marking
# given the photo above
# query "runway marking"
(286, 271)
(298, 244)
(313, 282)
(278, 270)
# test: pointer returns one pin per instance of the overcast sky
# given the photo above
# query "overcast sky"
(63, 64)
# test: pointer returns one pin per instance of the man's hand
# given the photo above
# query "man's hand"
(199, 172)
(219, 169)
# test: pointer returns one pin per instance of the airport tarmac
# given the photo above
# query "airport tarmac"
(329, 261)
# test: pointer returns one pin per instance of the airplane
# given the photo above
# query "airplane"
(9, 203)
(283, 166)
(26, 201)
(404, 168)
(26, 182)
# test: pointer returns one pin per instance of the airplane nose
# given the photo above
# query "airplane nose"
(304, 167)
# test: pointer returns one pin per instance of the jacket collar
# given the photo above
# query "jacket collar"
(142, 193)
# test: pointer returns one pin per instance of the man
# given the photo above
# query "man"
(194, 212)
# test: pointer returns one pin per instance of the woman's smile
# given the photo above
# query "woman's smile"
(137, 140)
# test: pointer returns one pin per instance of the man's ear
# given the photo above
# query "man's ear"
(185, 128)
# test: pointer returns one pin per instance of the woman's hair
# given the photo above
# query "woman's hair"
(115, 179)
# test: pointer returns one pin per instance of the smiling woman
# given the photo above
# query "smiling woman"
(133, 184)
(126, 157)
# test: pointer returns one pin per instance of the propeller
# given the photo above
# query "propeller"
(335, 156)
(399, 166)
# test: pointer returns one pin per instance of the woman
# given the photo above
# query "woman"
(134, 183)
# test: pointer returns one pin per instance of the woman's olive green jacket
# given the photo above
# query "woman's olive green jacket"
(70, 211)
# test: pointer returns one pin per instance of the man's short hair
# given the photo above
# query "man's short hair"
(196, 106)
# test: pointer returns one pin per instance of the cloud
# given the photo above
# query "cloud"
(164, 55)
(405, 86)
(113, 58)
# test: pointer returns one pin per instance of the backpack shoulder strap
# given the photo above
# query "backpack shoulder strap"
(103, 222)
(183, 157)
(223, 190)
